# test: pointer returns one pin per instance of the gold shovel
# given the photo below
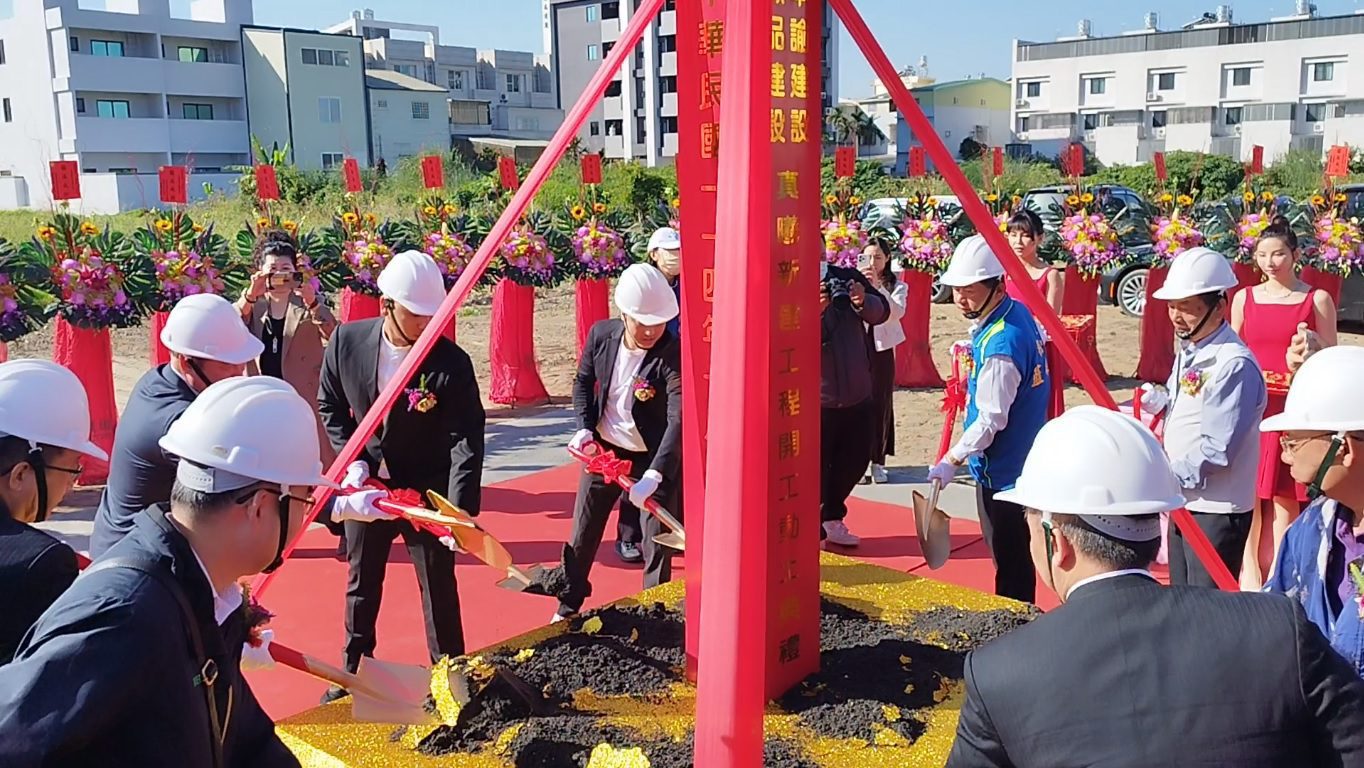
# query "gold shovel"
(473, 539)
(932, 527)
(381, 691)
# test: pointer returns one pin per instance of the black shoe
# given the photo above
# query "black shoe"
(334, 693)
(629, 552)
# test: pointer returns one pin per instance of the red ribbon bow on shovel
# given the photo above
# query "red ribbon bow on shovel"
(616, 471)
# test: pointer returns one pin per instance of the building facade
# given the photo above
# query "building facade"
(1213, 86)
(306, 90)
(123, 91)
(492, 93)
(407, 116)
(976, 109)
(638, 116)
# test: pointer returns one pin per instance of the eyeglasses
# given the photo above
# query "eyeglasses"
(76, 471)
(1292, 444)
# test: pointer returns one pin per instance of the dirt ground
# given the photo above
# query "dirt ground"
(918, 420)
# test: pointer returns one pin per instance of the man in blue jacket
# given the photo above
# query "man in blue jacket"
(138, 663)
(208, 342)
(1322, 554)
(1007, 390)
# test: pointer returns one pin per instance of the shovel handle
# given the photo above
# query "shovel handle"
(311, 665)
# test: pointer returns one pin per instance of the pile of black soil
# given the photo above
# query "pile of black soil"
(569, 741)
(961, 630)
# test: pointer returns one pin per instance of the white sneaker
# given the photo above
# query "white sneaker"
(878, 474)
(838, 534)
(558, 618)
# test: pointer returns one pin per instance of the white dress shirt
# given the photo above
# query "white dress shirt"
(390, 357)
(223, 605)
(617, 425)
(891, 334)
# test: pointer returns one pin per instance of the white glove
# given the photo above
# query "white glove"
(258, 656)
(581, 440)
(360, 506)
(450, 543)
(356, 475)
(644, 488)
(943, 472)
(1154, 398)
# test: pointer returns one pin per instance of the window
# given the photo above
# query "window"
(111, 108)
(593, 53)
(641, 132)
(106, 48)
(2, 51)
(455, 79)
(613, 88)
(75, 44)
(1165, 81)
(1314, 113)
(1032, 90)
(332, 160)
(1097, 86)
(1323, 72)
(1023, 124)
(309, 55)
(610, 10)
(197, 111)
(4, 105)
(606, 48)
(342, 58)
(594, 128)
(669, 5)
(1158, 119)
(667, 124)
(381, 103)
(329, 110)
(1240, 76)
(667, 43)
(192, 53)
(406, 69)
(123, 171)
(1089, 121)
(513, 83)
(592, 13)
(326, 58)
(421, 110)
(614, 127)
(667, 84)
(80, 106)
(1231, 115)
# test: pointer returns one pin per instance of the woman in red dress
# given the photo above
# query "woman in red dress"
(1025, 232)
(1266, 316)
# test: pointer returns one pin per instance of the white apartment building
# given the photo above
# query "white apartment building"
(638, 116)
(407, 116)
(123, 90)
(1212, 86)
(492, 93)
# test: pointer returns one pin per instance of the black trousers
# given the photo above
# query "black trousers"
(1009, 539)
(592, 509)
(844, 450)
(1228, 534)
(367, 547)
(882, 406)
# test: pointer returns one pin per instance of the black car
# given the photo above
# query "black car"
(1125, 284)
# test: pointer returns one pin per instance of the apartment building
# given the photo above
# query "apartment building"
(492, 93)
(1214, 85)
(407, 116)
(306, 90)
(638, 116)
(123, 90)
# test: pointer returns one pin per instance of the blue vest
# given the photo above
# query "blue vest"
(1010, 331)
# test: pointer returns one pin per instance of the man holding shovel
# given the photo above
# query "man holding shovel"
(137, 663)
(1008, 389)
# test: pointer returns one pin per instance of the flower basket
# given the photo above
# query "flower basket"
(600, 253)
(186, 259)
(24, 294)
(843, 242)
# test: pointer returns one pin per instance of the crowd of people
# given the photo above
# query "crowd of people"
(218, 451)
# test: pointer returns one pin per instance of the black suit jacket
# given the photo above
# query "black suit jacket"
(1130, 673)
(658, 419)
(440, 450)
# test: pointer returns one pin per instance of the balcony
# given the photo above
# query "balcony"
(667, 23)
(128, 135)
(201, 78)
(669, 105)
(147, 75)
(613, 108)
(227, 30)
(667, 64)
(209, 136)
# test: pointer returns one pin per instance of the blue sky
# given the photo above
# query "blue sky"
(958, 38)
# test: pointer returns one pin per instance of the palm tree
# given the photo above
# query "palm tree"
(848, 122)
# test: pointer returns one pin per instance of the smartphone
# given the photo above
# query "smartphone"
(863, 260)
(282, 279)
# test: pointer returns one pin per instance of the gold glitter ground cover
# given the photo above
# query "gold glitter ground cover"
(848, 716)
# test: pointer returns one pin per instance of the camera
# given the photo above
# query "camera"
(282, 279)
(840, 290)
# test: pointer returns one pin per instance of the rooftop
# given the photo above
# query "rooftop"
(385, 80)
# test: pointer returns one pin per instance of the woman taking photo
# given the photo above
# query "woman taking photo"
(1266, 316)
(875, 264)
(289, 317)
(1024, 231)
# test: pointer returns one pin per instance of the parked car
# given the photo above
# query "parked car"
(1125, 285)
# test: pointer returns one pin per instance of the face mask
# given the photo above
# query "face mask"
(669, 261)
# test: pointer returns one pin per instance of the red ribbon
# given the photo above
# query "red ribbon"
(398, 498)
(954, 396)
(611, 468)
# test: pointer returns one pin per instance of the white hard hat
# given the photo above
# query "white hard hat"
(1195, 272)
(45, 404)
(665, 238)
(1324, 394)
(413, 280)
(206, 326)
(1103, 466)
(972, 262)
(642, 292)
(243, 430)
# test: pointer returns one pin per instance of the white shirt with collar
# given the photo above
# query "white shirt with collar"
(1109, 575)
(390, 358)
(617, 425)
(223, 605)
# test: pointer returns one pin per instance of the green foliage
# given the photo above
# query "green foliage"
(970, 149)
(1297, 173)
(1190, 173)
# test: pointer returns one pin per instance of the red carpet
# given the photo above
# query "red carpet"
(532, 516)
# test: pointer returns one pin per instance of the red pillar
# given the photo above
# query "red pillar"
(591, 303)
(1081, 298)
(914, 366)
(1157, 334)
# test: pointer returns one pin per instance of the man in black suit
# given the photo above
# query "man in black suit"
(628, 399)
(1130, 673)
(432, 439)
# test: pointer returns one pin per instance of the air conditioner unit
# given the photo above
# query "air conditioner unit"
(1090, 135)
(1159, 133)
(1318, 128)
(1236, 130)
(1021, 103)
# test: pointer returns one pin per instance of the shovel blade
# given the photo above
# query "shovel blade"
(523, 581)
(932, 528)
(392, 693)
(671, 541)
